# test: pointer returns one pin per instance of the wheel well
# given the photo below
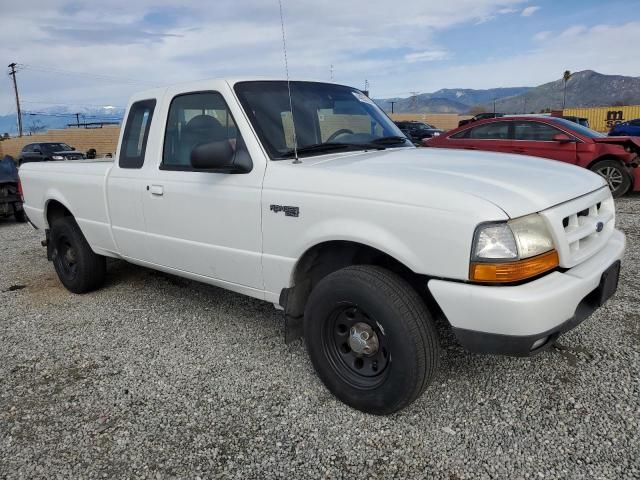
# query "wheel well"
(605, 157)
(56, 210)
(325, 258)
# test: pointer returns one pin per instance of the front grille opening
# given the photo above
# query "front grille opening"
(583, 213)
(565, 222)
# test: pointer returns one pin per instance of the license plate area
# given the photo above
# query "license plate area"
(608, 283)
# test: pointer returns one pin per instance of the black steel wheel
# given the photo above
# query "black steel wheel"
(370, 338)
(356, 345)
(79, 269)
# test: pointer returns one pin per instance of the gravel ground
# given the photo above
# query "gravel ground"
(157, 377)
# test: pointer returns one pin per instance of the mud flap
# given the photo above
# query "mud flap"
(293, 328)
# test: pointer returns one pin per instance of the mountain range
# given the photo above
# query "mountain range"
(38, 119)
(448, 100)
(584, 89)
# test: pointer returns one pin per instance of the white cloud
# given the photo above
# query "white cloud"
(426, 56)
(528, 11)
(542, 36)
(360, 38)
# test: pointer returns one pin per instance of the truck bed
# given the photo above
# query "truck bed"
(77, 185)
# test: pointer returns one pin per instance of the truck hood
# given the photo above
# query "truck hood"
(517, 184)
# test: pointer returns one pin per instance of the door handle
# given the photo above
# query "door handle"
(157, 190)
(470, 148)
(519, 150)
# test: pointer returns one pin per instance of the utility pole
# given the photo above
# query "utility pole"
(78, 120)
(331, 72)
(392, 104)
(12, 66)
(366, 87)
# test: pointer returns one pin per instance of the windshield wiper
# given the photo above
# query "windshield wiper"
(328, 147)
(392, 140)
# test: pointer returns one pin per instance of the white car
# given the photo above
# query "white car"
(334, 216)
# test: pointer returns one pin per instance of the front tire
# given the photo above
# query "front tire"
(79, 269)
(371, 339)
(615, 174)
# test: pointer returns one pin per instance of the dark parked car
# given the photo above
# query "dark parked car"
(614, 158)
(630, 128)
(417, 131)
(10, 194)
(480, 116)
(48, 151)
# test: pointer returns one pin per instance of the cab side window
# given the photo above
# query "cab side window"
(490, 131)
(196, 119)
(534, 131)
(136, 133)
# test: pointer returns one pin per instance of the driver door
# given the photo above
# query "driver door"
(200, 222)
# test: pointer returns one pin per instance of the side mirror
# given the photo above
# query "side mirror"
(221, 157)
(73, 148)
(562, 138)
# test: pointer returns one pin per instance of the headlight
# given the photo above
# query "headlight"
(57, 157)
(512, 251)
(436, 134)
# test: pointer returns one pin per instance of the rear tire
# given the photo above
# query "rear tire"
(371, 339)
(79, 269)
(615, 174)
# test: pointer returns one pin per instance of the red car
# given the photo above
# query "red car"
(615, 158)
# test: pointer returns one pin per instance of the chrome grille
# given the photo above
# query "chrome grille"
(582, 226)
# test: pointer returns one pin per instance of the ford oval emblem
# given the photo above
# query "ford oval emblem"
(599, 227)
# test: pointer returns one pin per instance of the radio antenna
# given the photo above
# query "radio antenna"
(286, 68)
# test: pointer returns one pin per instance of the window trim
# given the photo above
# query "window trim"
(512, 127)
(179, 168)
(151, 104)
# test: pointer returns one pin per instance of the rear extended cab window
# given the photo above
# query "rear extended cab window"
(136, 133)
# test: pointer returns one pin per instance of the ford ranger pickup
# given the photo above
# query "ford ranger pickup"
(306, 195)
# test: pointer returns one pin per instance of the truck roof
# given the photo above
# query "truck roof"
(207, 84)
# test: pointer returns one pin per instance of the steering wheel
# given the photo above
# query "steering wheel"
(337, 133)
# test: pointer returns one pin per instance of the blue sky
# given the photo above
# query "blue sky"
(121, 46)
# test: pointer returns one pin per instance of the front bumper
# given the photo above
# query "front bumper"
(524, 319)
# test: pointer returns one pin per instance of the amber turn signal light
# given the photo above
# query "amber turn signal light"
(508, 272)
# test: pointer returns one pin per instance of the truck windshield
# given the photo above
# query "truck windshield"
(328, 118)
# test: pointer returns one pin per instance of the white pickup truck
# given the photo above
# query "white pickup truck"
(333, 215)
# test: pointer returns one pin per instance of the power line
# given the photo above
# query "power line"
(110, 78)
(73, 104)
(67, 115)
